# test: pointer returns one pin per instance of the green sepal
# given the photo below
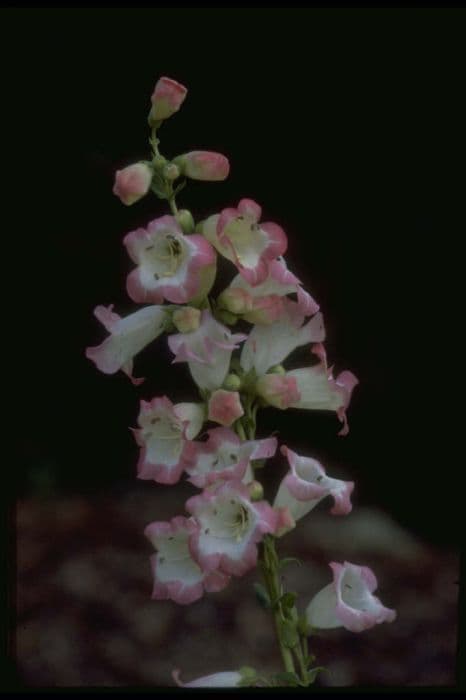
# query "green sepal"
(258, 463)
(180, 187)
(289, 560)
(262, 595)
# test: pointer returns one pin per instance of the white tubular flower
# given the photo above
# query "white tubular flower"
(237, 235)
(128, 336)
(264, 303)
(230, 526)
(306, 484)
(223, 456)
(176, 575)
(318, 390)
(269, 345)
(207, 351)
(222, 679)
(165, 431)
(348, 601)
(170, 265)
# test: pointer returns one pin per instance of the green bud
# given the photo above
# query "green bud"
(232, 382)
(159, 162)
(171, 171)
(226, 317)
(256, 490)
(185, 220)
(277, 369)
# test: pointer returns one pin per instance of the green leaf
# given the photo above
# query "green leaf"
(286, 678)
(248, 676)
(289, 560)
(262, 595)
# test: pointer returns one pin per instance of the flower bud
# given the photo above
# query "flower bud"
(256, 490)
(203, 165)
(185, 220)
(224, 407)
(171, 171)
(132, 183)
(166, 99)
(186, 319)
(278, 391)
(235, 300)
(232, 382)
(277, 369)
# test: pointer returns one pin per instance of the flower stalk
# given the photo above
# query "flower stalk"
(230, 528)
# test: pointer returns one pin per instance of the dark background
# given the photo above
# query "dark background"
(345, 125)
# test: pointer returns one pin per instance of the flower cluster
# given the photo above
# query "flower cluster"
(236, 373)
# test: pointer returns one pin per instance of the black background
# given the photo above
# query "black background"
(344, 125)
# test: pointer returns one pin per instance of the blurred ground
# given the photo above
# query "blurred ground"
(85, 616)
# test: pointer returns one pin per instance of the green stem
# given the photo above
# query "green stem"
(269, 563)
(172, 203)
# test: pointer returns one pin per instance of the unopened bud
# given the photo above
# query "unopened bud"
(203, 165)
(166, 99)
(132, 183)
(186, 319)
(235, 300)
(171, 171)
(256, 490)
(277, 369)
(185, 220)
(232, 382)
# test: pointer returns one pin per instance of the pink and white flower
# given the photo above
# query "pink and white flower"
(170, 265)
(264, 303)
(132, 183)
(230, 526)
(176, 575)
(269, 345)
(224, 407)
(306, 484)
(203, 165)
(319, 390)
(128, 336)
(223, 457)
(222, 679)
(348, 601)
(207, 351)
(238, 236)
(165, 431)
(167, 98)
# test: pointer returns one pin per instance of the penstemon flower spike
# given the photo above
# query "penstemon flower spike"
(229, 528)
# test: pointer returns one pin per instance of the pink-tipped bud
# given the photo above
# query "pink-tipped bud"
(186, 319)
(132, 183)
(235, 300)
(167, 98)
(203, 165)
(225, 407)
(279, 391)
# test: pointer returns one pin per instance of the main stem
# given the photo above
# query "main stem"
(270, 566)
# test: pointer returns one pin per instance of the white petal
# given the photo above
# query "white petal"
(194, 413)
(320, 612)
